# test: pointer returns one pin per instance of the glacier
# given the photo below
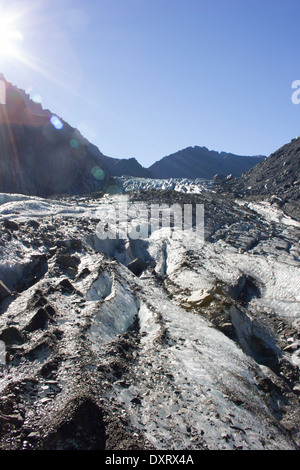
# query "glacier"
(162, 342)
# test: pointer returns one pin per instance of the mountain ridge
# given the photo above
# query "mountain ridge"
(200, 162)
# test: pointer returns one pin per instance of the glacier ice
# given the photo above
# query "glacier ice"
(199, 350)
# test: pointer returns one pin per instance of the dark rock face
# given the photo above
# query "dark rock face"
(122, 167)
(199, 162)
(44, 158)
(277, 177)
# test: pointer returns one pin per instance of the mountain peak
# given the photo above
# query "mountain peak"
(199, 162)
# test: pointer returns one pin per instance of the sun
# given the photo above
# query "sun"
(10, 38)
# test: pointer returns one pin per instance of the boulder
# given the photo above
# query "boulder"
(10, 225)
(201, 298)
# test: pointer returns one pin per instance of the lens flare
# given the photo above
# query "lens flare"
(74, 143)
(56, 122)
(98, 173)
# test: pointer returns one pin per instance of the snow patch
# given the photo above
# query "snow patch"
(272, 214)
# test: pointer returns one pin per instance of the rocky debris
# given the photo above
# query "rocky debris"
(10, 225)
(162, 343)
(66, 286)
(36, 300)
(68, 261)
(277, 179)
(33, 224)
(71, 244)
(32, 272)
(79, 426)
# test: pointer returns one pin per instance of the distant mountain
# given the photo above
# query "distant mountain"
(278, 175)
(199, 162)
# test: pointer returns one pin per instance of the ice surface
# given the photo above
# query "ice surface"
(150, 345)
(176, 184)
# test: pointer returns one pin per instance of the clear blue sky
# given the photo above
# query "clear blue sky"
(145, 78)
